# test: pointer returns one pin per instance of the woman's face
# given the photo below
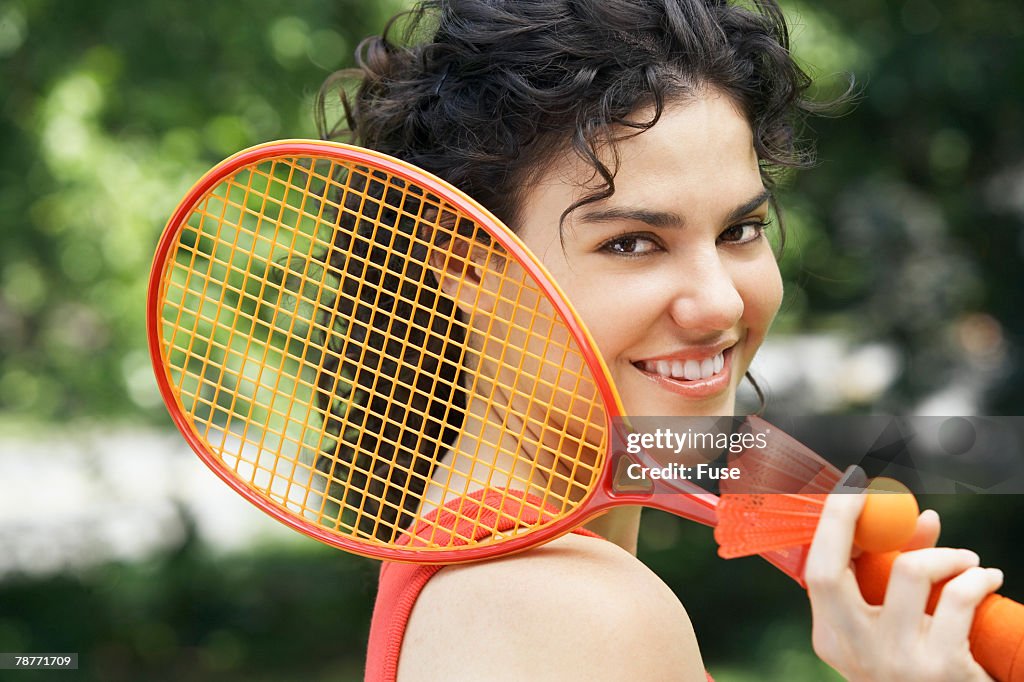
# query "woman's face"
(671, 274)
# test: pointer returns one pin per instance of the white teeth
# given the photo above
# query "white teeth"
(689, 370)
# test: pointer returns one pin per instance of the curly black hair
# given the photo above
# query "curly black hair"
(486, 93)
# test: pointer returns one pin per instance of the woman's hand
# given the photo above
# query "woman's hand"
(897, 641)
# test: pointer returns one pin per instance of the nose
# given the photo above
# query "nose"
(706, 298)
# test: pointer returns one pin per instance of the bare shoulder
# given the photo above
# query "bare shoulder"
(576, 608)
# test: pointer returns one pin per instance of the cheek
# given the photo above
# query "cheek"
(605, 311)
(760, 287)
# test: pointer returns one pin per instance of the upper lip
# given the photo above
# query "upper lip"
(702, 352)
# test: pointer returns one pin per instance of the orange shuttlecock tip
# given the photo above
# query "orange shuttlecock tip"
(889, 517)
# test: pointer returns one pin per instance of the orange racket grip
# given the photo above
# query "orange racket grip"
(997, 635)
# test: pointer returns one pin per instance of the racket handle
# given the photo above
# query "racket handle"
(997, 635)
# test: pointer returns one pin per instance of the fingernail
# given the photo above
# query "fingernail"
(972, 557)
(996, 573)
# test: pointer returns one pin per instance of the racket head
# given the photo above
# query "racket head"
(243, 285)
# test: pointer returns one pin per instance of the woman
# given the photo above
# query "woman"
(631, 144)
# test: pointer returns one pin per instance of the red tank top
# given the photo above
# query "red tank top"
(400, 584)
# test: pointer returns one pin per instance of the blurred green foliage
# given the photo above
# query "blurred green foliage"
(910, 231)
(110, 112)
(193, 615)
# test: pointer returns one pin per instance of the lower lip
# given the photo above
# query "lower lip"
(698, 388)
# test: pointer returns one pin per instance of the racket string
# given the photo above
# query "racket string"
(307, 338)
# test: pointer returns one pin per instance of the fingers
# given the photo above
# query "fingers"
(829, 555)
(910, 585)
(954, 614)
(927, 532)
(885, 642)
(831, 584)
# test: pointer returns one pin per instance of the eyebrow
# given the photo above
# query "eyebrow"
(665, 218)
(746, 208)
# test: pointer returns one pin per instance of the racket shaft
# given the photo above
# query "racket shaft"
(693, 503)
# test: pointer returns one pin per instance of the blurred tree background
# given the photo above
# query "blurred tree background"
(904, 248)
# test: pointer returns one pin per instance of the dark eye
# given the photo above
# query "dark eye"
(631, 245)
(744, 234)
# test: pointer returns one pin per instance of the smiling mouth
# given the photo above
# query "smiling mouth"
(685, 370)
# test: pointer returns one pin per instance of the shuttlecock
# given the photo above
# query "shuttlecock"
(776, 500)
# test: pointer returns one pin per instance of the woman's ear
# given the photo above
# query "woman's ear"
(465, 271)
